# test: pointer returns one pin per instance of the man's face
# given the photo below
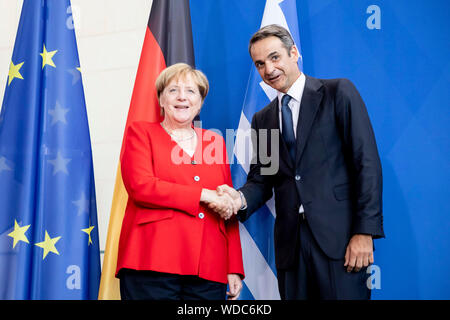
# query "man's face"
(275, 66)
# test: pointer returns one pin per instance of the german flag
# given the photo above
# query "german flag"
(168, 40)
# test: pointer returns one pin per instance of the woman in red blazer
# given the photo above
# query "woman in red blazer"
(172, 246)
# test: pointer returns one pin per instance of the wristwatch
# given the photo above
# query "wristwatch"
(244, 203)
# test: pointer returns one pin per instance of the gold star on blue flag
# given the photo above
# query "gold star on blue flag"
(14, 72)
(18, 234)
(46, 164)
(47, 57)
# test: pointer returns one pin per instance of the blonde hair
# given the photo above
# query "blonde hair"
(181, 70)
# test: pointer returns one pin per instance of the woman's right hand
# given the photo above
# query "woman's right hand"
(223, 204)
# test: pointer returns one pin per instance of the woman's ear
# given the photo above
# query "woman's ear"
(199, 110)
(161, 106)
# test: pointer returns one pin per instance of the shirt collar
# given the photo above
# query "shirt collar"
(296, 90)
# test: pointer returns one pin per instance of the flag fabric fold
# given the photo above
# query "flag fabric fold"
(257, 232)
(168, 40)
(49, 244)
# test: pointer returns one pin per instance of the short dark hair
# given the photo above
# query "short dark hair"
(273, 30)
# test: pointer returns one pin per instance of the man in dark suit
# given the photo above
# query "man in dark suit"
(328, 187)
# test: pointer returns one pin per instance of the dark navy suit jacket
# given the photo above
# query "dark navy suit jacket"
(336, 174)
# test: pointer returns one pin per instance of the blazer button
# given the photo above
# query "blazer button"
(201, 215)
(297, 177)
(197, 178)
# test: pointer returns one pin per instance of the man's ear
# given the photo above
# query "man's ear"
(294, 52)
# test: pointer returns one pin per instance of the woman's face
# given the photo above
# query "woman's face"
(181, 101)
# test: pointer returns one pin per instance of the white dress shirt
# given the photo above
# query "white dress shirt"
(296, 92)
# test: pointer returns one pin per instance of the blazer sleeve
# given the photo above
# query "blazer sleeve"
(361, 148)
(140, 181)
(235, 261)
(258, 188)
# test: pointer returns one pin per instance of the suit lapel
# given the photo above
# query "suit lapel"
(308, 108)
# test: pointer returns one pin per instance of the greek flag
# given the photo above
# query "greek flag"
(257, 232)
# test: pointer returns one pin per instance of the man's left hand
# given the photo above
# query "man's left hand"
(359, 252)
(235, 285)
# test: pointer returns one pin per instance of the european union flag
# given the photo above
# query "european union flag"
(49, 246)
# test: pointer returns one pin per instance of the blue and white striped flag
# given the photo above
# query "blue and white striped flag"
(257, 232)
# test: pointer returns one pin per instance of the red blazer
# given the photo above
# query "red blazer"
(165, 227)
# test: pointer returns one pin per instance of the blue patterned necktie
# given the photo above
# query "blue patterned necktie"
(288, 127)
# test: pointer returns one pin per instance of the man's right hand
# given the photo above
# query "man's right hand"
(235, 196)
(223, 204)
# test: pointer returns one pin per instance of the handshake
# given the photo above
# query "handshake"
(225, 201)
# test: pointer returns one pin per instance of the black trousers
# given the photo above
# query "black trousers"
(318, 277)
(150, 285)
